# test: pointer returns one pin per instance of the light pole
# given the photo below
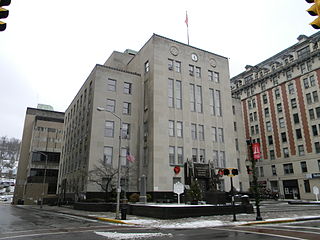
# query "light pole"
(119, 162)
(44, 176)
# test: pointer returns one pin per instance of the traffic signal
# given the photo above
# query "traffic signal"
(4, 13)
(226, 171)
(314, 10)
(234, 172)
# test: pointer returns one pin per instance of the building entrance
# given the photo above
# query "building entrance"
(291, 189)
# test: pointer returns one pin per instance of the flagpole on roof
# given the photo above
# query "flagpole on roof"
(187, 23)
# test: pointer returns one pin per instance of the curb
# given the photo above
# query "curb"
(281, 221)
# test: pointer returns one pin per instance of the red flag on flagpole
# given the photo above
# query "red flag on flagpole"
(187, 20)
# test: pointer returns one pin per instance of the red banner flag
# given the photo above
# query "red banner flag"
(187, 21)
(256, 151)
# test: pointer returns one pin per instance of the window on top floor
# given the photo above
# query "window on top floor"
(303, 52)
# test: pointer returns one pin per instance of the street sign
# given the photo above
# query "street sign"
(178, 188)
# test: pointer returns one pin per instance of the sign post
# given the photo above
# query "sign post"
(178, 188)
(316, 192)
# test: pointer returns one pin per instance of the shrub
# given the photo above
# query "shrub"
(134, 197)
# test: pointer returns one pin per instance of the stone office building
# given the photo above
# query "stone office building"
(39, 156)
(174, 104)
(281, 110)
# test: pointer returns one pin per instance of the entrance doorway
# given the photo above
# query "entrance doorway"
(291, 189)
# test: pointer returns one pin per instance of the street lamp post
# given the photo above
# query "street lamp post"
(119, 162)
(44, 176)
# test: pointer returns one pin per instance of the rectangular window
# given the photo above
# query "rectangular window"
(307, 187)
(212, 105)
(170, 64)
(270, 140)
(214, 133)
(198, 72)
(125, 131)
(298, 133)
(312, 80)
(171, 155)
(291, 88)
(318, 112)
(306, 83)
(293, 103)
(317, 147)
(123, 157)
(180, 155)
(111, 105)
(178, 95)
(216, 77)
(215, 158)
(285, 152)
(309, 99)
(201, 132)
(179, 129)
(220, 135)
(126, 108)
(268, 126)
(289, 74)
(237, 144)
(235, 126)
(127, 88)
(296, 118)
(274, 170)
(315, 96)
(314, 130)
(279, 107)
(261, 172)
(301, 150)
(191, 70)
(277, 93)
(202, 155)
(266, 112)
(194, 155)
(311, 114)
(264, 98)
(199, 99)
(304, 168)
(171, 128)
(288, 168)
(281, 122)
(222, 159)
(107, 155)
(192, 98)
(170, 93)
(177, 65)
(284, 137)
(210, 75)
(109, 129)
(217, 102)
(111, 85)
(193, 131)
(146, 66)
(272, 155)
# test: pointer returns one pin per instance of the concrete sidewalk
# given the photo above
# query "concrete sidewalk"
(269, 217)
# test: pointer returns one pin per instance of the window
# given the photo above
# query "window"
(305, 82)
(214, 133)
(170, 64)
(272, 155)
(222, 159)
(281, 122)
(192, 98)
(123, 157)
(301, 150)
(218, 105)
(296, 118)
(216, 77)
(265, 98)
(307, 187)
(268, 126)
(111, 104)
(303, 68)
(237, 144)
(257, 129)
(177, 66)
(212, 105)
(315, 96)
(279, 107)
(303, 166)
(288, 168)
(317, 147)
(179, 129)
(202, 155)
(193, 131)
(284, 137)
(191, 70)
(266, 112)
(194, 155)
(277, 93)
(291, 88)
(303, 52)
(126, 108)
(285, 152)
(298, 133)
(210, 75)
(274, 170)
(309, 99)
(125, 131)
(201, 132)
(111, 85)
(180, 155)
(215, 158)
(252, 130)
(270, 140)
(107, 155)
(314, 130)
(220, 135)
(198, 72)
(312, 81)
(127, 88)
(293, 103)
(109, 129)
(318, 112)
(319, 165)
(311, 114)
(171, 155)
(171, 128)
(146, 66)
(289, 74)
(178, 95)
(170, 93)
(235, 126)
(234, 110)
(199, 99)
(261, 172)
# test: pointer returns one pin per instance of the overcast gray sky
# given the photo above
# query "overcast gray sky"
(50, 46)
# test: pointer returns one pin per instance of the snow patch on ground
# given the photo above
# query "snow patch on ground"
(115, 235)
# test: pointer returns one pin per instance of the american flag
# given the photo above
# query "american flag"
(129, 157)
